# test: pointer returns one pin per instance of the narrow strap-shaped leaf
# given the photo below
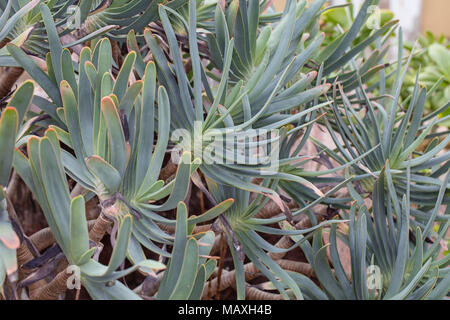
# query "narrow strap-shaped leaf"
(86, 102)
(121, 84)
(253, 23)
(133, 45)
(8, 128)
(22, 98)
(413, 283)
(353, 32)
(389, 126)
(172, 274)
(102, 63)
(67, 69)
(54, 42)
(116, 137)
(278, 56)
(258, 256)
(196, 65)
(118, 291)
(197, 289)
(435, 211)
(180, 189)
(71, 114)
(186, 280)
(130, 98)
(79, 235)
(36, 73)
(239, 271)
(416, 118)
(163, 139)
(323, 271)
(182, 118)
(120, 250)
(5, 16)
(144, 145)
(441, 290)
(345, 58)
(336, 260)
(360, 278)
(402, 254)
(211, 213)
(183, 83)
(56, 192)
(85, 8)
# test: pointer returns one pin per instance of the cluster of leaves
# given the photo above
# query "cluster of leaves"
(215, 69)
(431, 59)
(430, 55)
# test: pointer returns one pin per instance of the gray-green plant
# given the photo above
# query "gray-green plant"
(213, 69)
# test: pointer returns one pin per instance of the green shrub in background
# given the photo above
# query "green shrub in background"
(432, 57)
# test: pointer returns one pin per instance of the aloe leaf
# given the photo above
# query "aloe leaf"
(402, 254)
(118, 291)
(121, 84)
(172, 274)
(199, 284)
(120, 249)
(35, 72)
(186, 280)
(56, 192)
(67, 70)
(54, 42)
(163, 139)
(144, 144)
(239, 270)
(79, 235)
(212, 213)
(8, 129)
(22, 98)
(116, 136)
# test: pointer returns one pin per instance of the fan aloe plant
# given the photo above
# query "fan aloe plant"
(9, 240)
(181, 130)
(396, 136)
(44, 173)
(11, 130)
(400, 263)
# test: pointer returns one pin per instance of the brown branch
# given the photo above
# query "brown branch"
(168, 171)
(8, 77)
(271, 209)
(252, 293)
(44, 238)
(52, 290)
(101, 225)
(296, 266)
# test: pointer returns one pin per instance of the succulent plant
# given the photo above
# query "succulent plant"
(199, 89)
(396, 136)
(431, 60)
(11, 129)
(388, 259)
